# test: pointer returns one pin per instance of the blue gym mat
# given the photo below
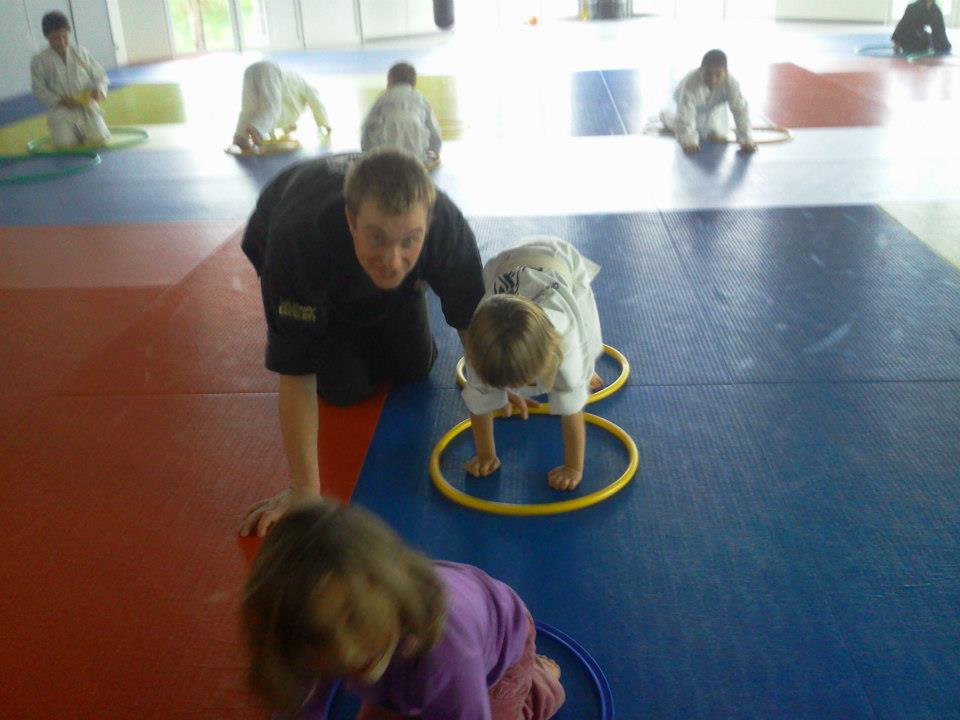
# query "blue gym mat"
(789, 545)
(148, 186)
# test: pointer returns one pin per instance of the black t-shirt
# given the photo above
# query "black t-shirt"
(300, 244)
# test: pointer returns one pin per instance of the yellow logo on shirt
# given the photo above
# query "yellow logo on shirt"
(303, 313)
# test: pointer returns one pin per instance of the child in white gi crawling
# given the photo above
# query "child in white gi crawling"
(402, 118)
(702, 99)
(274, 98)
(536, 331)
(70, 83)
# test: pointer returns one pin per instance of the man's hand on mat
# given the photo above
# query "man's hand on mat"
(748, 148)
(518, 403)
(691, 149)
(564, 478)
(265, 514)
(481, 467)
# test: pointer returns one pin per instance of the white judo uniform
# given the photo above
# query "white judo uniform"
(402, 118)
(701, 111)
(54, 78)
(551, 273)
(276, 98)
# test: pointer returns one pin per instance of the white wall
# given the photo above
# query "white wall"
(854, 10)
(16, 48)
(282, 24)
(91, 28)
(145, 29)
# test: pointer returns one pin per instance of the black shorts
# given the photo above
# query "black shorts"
(354, 361)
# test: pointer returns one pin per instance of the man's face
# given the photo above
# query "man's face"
(59, 40)
(713, 76)
(387, 246)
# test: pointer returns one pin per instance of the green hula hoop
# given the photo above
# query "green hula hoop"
(133, 136)
(92, 159)
(886, 51)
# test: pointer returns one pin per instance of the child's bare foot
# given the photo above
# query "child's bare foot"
(564, 478)
(550, 665)
(596, 382)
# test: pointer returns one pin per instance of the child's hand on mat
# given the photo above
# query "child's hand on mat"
(596, 382)
(564, 478)
(748, 148)
(265, 514)
(481, 467)
(518, 403)
(691, 149)
(95, 94)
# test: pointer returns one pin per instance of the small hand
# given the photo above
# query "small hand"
(520, 403)
(748, 148)
(564, 478)
(254, 135)
(264, 515)
(596, 382)
(95, 94)
(691, 149)
(242, 142)
(481, 467)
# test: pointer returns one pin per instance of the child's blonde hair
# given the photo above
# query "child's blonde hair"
(511, 343)
(314, 543)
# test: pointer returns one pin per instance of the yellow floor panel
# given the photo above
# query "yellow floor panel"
(133, 105)
(935, 223)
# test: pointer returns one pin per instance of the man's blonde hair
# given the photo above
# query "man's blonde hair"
(511, 343)
(393, 178)
(314, 546)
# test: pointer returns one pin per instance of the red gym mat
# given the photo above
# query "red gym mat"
(106, 255)
(798, 98)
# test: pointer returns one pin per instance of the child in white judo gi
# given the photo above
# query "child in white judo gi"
(702, 98)
(274, 99)
(70, 83)
(535, 331)
(403, 118)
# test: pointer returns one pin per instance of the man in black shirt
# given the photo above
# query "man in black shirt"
(911, 35)
(344, 247)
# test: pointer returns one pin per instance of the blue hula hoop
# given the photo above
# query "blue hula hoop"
(600, 682)
(604, 692)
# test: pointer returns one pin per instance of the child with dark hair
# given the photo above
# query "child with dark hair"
(70, 83)
(702, 98)
(536, 331)
(911, 34)
(403, 118)
(334, 594)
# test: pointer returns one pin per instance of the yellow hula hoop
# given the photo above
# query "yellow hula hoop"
(784, 135)
(600, 394)
(527, 509)
(267, 147)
